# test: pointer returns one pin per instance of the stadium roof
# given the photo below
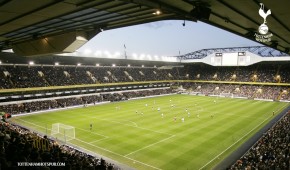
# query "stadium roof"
(262, 51)
(34, 25)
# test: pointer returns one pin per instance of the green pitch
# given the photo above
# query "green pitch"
(135, 133)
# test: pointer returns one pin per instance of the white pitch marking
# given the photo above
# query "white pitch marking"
(149, 145)
(237, 141)
(104, 149)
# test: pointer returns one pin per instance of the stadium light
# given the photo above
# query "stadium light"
(117, 53)
(87, 51)
(134, 55)
(129, 65)
(56, 63)
(97, 64)
(149, 57)
(113, 65)
(0, 62)
(79, 64)
(141, 56)
(142, 65)
(98, 53)
(31, 63)
(107, 53)
(157, 12)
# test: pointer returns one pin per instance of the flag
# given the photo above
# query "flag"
(125, 46)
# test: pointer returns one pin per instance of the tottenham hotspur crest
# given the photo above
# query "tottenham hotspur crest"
(263, 28)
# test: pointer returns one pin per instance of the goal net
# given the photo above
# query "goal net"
(62, 132)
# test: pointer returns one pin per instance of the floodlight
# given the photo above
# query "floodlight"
(157, 12)
(87, 51)
(31, 63)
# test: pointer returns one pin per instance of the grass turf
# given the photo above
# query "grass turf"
(146, 140)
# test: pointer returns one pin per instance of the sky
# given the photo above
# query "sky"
(164, 38)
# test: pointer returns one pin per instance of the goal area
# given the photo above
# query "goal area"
(62, 132)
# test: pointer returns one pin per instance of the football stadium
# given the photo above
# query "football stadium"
(220, 108)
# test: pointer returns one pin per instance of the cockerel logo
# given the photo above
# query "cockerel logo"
(263, 28)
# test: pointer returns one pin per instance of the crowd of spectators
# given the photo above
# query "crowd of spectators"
(18, 144)
(271, 152)
(19, 76)
(248, 91)
(254, 73)
(32, 106)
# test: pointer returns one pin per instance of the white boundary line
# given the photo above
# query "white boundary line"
(149, 146)
(237, 141)
(92, 132)
(102, 148)
(119, 154)
(73, 126)
(98, 140)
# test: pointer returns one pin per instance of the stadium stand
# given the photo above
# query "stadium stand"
(271, 151)
(21, 76)
(259, 81)
(20, 145)
(32, 106)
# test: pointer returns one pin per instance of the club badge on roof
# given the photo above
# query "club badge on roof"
(263, 28)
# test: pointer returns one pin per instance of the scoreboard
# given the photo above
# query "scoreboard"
(230, 59)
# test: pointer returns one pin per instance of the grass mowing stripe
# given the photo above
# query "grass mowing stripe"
(193, 144)
(149, 145)
(98, 147)
(239, 139)
(120, 155)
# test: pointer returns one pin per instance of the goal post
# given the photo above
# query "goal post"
(63, 132)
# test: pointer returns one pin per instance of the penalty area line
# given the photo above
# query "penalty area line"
(101, 148)
(119, 154)
(98, 140)
(149, 145)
